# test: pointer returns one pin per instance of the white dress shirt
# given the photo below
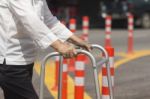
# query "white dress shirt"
(25, 24)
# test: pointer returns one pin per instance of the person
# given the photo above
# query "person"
(25, 24)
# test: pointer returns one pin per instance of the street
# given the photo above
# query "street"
(132, 78)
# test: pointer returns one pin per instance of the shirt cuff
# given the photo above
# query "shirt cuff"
(47, 40)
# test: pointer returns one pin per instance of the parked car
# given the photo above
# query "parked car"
(120, 8)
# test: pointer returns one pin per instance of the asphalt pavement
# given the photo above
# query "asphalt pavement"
(132, 79)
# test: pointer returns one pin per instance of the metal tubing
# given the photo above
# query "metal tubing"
(42, 74)
(101, 49)
(102, 62)
(79, 51)
(60, 77)
(107, 65)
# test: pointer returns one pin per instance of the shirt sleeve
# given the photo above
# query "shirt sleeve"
(55, 26)
(36, 29)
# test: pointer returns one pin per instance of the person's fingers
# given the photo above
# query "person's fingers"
(69, 54)
(74, 52)
(66, 56)
(89, 48)
(69, 51)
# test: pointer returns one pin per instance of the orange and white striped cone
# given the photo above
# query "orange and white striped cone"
(64, 79)
(105, 87)
(72, 27)
(55, 88)
(130, 33)
(79, 77)
(85, 30)
(108, 26)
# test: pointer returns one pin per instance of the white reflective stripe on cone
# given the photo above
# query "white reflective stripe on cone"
(130, 27)
(131, 20)
(85, 31)
(79, 65)
(85, 23)
(65, 68)
(108, 36)
(108, 21)
(108, 29)
(111, 62)
(105, 81)
(105, 97)
(72, 26)
(79, 81)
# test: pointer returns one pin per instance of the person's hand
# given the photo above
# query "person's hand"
(85, 46)
(68, 51)
(79, 42)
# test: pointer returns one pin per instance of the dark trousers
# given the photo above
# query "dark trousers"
(16, 81)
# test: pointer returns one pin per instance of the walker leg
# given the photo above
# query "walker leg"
(60, 78)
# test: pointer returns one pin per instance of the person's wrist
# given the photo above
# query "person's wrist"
(56, 45)
(83, 43)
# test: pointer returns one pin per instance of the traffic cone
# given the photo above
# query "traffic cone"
(64, 79)
(72, 27)
(108, 25)
(105, 87)
(85, 30)
(79, 77)
(130, 33)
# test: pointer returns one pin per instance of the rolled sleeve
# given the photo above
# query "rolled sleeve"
(47, 41)
(61, 31)
(36, 29)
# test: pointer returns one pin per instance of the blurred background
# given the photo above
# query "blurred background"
(131, 40)
(98, 9)
(128, 34)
